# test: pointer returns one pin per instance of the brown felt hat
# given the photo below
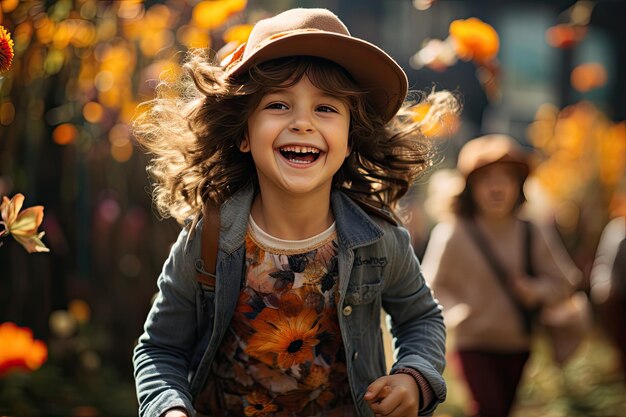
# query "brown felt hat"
(319, 33)
(489, 149)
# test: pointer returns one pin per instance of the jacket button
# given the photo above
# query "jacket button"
(355, 356)
(347, 310)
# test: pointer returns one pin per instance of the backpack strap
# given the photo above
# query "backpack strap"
(205, 266)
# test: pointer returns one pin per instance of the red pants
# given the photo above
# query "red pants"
(492, 378)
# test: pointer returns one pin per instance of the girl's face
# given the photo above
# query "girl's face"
(298, 137)
(495, 189)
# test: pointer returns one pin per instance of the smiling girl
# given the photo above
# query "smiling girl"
(306, 151)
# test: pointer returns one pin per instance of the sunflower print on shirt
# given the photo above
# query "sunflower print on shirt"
(283, 354)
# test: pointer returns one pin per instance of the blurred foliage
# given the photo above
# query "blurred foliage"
(104, 57)
(79, 69)
(583, 150)
(580, 166)
(74, 381)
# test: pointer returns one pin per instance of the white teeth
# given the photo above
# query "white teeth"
(299, 149)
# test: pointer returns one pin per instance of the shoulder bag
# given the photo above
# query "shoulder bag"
(565, 323)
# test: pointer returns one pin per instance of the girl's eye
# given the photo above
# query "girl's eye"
(326, 109)
(276, 106)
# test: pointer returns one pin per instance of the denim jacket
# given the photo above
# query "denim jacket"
(377, 268)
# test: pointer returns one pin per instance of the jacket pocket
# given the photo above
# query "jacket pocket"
(363, 294)
(361, 309)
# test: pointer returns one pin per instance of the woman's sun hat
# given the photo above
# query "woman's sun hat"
(490, 149)
(481, 152)
(320, 33)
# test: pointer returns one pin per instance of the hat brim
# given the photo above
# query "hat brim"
(370, 66)
(521, 166)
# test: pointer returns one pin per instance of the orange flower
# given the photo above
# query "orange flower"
(282, 340)
(260, 405)
(6, 50)
(18, 349)
(23, 226)
(474, 39)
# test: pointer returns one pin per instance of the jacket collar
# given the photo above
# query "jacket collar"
(354, 227)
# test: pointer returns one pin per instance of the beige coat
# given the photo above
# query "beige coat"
(476, 307)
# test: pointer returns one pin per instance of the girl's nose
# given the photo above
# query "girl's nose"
(301, 124)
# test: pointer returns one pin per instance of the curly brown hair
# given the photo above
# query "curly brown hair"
(194, 128)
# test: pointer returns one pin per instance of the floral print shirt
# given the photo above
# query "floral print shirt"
(283, 354)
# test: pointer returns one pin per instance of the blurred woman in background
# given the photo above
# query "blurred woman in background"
(491, 270)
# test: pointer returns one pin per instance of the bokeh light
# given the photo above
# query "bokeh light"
(80, 310)
(64, 134)
(62, 324)
(586, 77)
(7, 113)
(93, 112)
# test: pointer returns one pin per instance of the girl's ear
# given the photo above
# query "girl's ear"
(244, 146)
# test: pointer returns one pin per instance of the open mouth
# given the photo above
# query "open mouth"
(300, 154)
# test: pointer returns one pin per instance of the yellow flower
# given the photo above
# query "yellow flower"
(23, 226)
(6, 49)
(474, 39)
(18, 349)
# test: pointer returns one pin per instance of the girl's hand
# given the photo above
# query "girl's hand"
(394, 396)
